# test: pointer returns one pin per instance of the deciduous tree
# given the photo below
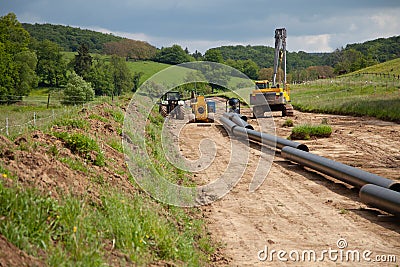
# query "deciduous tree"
(51, 67)
(17, 63)
(77, 91)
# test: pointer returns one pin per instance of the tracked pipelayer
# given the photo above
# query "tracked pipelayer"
(375, 190)
(274, 97)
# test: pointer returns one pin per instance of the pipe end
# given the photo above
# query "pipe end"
(303, 147)
(395, 186)
(249, 127)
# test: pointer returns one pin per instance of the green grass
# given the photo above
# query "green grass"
(72, 123)
(98, 117)
(75, 231)
(75, 165)
(148, 68)
(353, 94)
(306, 131)
(117, 115)
(288, 123)
(83, 145)
(391, 67)
(116, 143)
(72, 233)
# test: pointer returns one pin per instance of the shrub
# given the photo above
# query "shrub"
(77, 91)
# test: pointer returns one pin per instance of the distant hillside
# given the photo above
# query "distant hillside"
(371, 52)
(264, 56)
(381, 50)
(70, 38)
(344, 60)
(391, 67)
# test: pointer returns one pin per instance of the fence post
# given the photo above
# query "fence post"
(48, 100)
(34, 119)
(7, 126)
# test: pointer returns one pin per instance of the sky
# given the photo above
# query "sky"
(312, 25)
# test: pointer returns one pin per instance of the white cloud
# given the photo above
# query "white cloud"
(310, 43)
(134, 36)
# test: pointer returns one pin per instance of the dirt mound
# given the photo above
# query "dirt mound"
(11, 256)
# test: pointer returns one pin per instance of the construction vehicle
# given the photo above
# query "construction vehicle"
(273, 97)
(202, 110)
(172, 105)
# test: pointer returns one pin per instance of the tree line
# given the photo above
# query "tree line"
(254, 61)
(31, 55)
(305, 66)
(26, 63)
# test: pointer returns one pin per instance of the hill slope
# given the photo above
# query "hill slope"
(391, 67)
(372, 91)
(69, 37)
(68, 199)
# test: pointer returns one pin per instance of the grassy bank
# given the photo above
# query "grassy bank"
(98, 216)
(358, 95)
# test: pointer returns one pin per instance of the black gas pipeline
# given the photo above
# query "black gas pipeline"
(340, 171)
(375, 191)
(245, 130)
(381, 198)
(238, 120)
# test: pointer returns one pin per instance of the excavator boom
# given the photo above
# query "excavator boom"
(280, 53)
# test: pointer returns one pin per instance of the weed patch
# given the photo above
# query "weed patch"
(98, 117)
(117, 115)
(288, 123)
(306, 131)
(73, 123)
(84, 146)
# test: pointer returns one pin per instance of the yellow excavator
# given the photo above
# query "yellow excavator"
(273, 97)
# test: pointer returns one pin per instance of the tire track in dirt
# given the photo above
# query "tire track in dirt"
(300, 209)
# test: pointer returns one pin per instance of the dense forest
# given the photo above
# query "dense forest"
(263, 56)
(69, 38)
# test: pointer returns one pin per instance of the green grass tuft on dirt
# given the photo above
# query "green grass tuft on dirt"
(307, 131)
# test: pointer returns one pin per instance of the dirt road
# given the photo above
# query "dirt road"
(300, 211)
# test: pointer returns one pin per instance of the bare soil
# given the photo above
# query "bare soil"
(297, 208)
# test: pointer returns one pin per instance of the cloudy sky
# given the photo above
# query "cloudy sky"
(312, 25)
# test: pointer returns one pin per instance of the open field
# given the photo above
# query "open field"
(359, 94)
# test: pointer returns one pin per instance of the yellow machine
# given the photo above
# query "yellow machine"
(273, 97)
(276, 97)
(202, 110)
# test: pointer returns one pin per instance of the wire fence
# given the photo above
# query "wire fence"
(34, 112)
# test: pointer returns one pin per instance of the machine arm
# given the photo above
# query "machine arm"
(280, 46)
